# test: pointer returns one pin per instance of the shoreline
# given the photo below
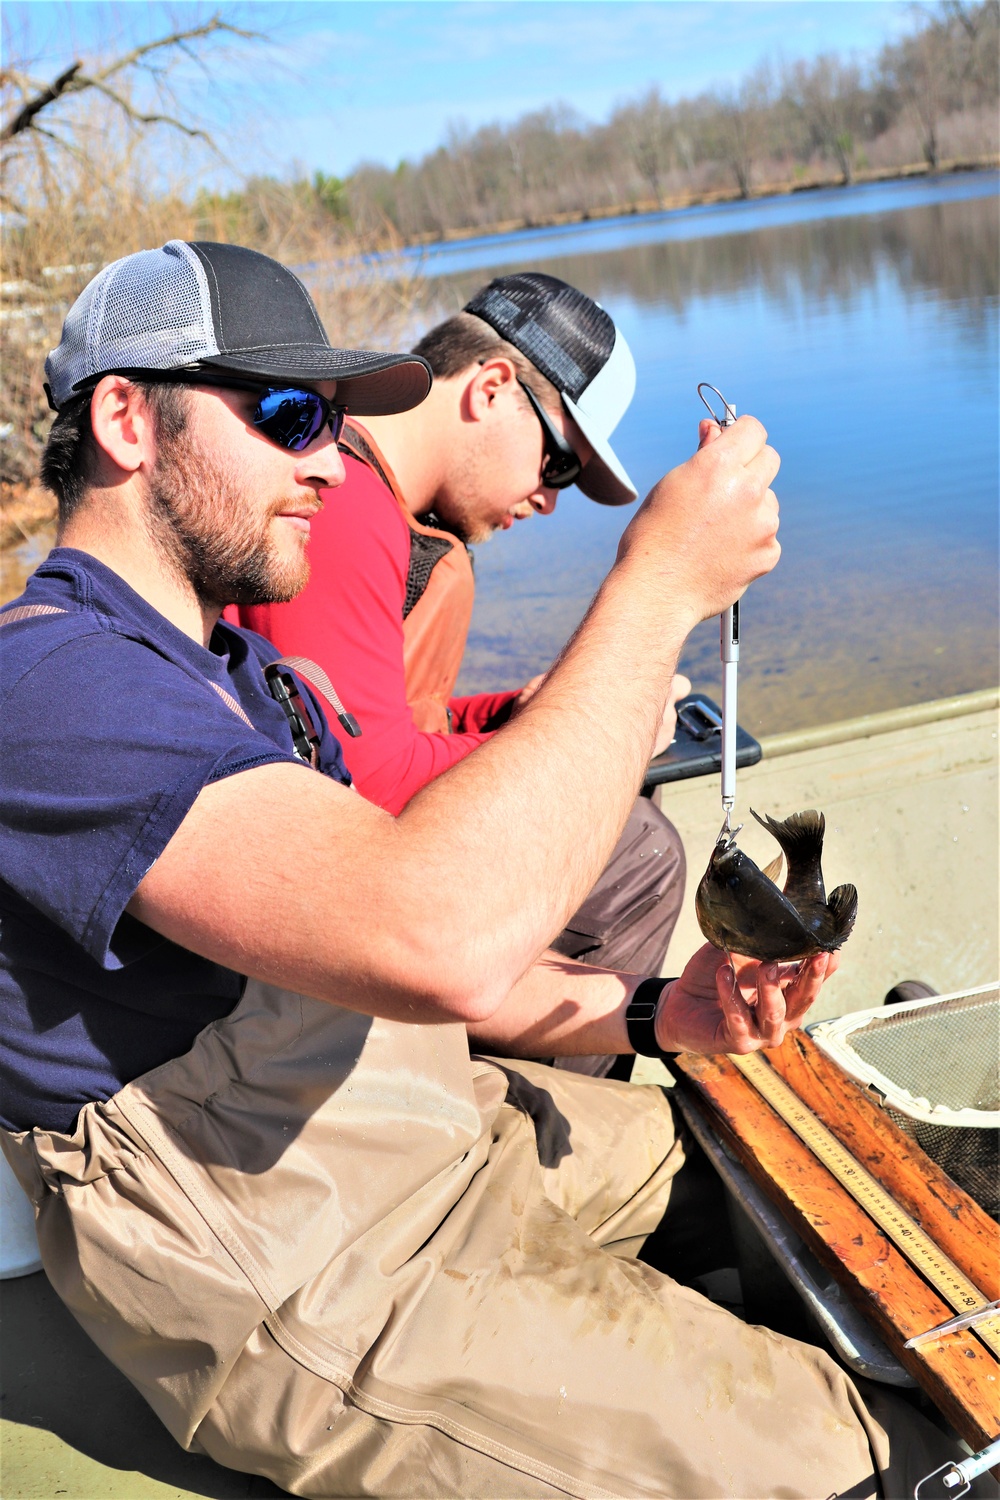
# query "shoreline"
(26, 510)
(647, 206)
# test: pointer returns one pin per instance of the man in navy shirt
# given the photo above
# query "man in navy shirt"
(325, 1242)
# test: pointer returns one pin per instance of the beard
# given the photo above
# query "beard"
(216, 533)
(465, 528)
(458, 510)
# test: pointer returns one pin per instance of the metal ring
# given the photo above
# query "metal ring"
(729, 410)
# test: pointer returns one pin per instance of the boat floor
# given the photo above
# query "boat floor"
(73, 1426)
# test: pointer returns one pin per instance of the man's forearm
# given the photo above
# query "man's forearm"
(437, 914)
(516, 834)
(560, 1008)
(434, 915)
(568, 768)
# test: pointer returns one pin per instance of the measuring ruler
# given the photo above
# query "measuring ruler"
(918, 1247)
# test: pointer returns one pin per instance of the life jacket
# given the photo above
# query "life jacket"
(437, 609)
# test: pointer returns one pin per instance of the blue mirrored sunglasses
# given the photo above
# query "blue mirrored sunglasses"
(290, 415)
(293, 418)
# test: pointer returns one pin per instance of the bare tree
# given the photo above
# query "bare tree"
(742, 124)
(34, 112)
(648, 127)
(77, 191)
(830, 97)
(977, 30)
(947, 63)
(922, 72)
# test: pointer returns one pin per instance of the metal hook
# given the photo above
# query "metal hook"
(730, 416)
(956, 1478)
(727, 832)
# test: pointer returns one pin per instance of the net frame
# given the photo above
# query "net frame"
(965, 1142)
(833, 1038)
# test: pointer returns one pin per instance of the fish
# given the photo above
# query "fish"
(741, 909)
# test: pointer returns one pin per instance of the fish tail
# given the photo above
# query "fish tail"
(800, 835)
(843, 909)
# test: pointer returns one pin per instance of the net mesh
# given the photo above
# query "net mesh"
(150, 310)
(945, 1055)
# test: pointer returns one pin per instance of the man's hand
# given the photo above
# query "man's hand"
(705, 1009)
(527, 692)
(680, 686)
(709, 527)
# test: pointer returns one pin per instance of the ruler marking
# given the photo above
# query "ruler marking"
(922, 1252)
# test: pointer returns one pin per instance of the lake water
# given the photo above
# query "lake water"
(861, 327)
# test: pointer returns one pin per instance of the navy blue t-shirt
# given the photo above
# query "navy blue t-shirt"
(111, 722)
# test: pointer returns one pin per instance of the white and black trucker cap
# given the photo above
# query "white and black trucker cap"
(575, 344)
(204, 306)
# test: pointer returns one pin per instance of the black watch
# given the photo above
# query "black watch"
(640, 1017)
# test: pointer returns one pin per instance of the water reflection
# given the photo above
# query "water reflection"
(947, 249)
(868, 346)
(867, 343)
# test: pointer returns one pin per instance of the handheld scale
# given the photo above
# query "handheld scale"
(729, 651)
(920, 1250)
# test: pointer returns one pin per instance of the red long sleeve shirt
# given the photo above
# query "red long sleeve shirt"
(349, 620)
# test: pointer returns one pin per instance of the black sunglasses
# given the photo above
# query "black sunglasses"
(289, 415)
(561, 467)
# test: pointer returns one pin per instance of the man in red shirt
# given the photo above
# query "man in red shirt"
(530, 380)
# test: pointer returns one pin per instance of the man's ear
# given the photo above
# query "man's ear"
(494, 377)
(123, 425)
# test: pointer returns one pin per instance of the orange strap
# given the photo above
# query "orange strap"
(437, 627)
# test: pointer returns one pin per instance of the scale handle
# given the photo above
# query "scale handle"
(729, 651)
(729, 647)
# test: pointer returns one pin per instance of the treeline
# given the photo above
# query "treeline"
(930, 97)
(77, 188)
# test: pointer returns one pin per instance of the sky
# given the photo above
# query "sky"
(335, 84)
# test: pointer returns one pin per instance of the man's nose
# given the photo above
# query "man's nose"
(543, 500)
(321, 466)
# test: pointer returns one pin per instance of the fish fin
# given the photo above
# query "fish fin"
(800, 835)
(801, 838)
(773, 870)
(843, 909)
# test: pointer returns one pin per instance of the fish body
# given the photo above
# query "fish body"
(741, 909)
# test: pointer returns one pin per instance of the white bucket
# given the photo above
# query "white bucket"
(18, 1245)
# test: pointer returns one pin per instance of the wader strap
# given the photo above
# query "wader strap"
(318, 679)
(231, 702)
(28, 612)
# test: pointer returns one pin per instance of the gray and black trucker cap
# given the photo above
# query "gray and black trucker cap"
(575, 344)
(219, 307)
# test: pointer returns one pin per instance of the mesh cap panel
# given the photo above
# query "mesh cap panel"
(148, 311)
(561, 330)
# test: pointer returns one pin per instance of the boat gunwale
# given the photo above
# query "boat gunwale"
(868, 725)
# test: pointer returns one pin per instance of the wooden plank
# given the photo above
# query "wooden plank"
(955, 1222)
(959, 1374)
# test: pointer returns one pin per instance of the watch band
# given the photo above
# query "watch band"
(640, 1017)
